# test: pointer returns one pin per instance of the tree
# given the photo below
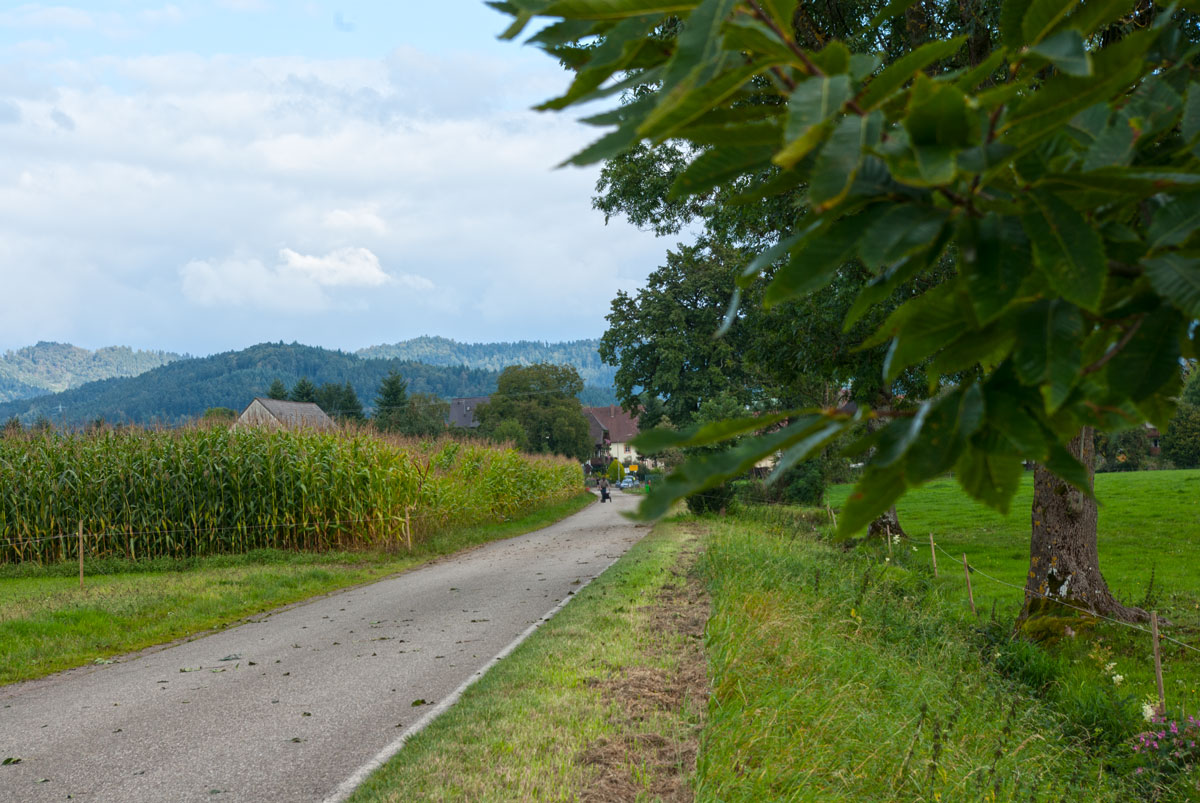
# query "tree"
(391, 403)
(616, 471)
(339, 401)
(510, 431)
(542, 399)
(218, 415)
(12, 427)
(277, 391)
(303, 391)
(1181, 441)
(1056, 173)
(426, 415)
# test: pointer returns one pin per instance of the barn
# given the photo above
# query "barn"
(278, 414)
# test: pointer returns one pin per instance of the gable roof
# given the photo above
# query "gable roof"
(462, 411)
(620, 425)
(295, 415)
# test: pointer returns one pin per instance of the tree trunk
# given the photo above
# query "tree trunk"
(1064, 565)
(887, 524)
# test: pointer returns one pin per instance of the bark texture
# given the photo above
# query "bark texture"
(1064, 564)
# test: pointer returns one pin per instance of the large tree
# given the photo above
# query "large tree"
(1058, 173)
(542, 399)
(391, 403)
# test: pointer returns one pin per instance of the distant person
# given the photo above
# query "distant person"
(604, 497)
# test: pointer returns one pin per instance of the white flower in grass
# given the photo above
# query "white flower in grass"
(1148, 711)
(1117, 679)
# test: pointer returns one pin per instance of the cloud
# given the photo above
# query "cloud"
(360, 219)
(9, 112)
(282, 192)
(346, 267)
(298, 282)
(62, 119)
(35, 15)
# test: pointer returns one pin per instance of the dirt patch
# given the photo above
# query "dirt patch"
(660, 710)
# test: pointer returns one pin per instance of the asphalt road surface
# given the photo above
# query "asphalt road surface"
(288, 706)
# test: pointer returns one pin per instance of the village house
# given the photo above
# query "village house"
(462, 411)
(279, 414)
(612, 429)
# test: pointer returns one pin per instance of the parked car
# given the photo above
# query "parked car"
(628, 482)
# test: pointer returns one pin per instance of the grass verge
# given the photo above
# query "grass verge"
(603, 703)
(1149, 544)
(47, 623)
(837, 677)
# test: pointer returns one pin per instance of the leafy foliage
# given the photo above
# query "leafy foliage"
(543, 400)
(1181, 441)
(53, 367)
(1054, 168)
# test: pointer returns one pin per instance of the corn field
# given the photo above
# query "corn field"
(183, 493)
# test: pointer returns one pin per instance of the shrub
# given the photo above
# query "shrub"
(1181, 441)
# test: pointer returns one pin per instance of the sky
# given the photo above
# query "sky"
(200, 176)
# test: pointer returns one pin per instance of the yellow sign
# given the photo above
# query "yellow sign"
(633, 468)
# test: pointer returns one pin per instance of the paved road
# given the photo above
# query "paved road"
(288, 706)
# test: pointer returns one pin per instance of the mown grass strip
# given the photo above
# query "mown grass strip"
(48, 624)
(590, 703)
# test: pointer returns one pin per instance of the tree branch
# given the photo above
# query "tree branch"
(1115, 350)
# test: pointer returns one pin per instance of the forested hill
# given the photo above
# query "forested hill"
(53, 367)
(174, 393)
(495, 356)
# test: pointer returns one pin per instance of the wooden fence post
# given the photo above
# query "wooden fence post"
(933, 554)
(970, 593)
(1162, 697)
(81, 555)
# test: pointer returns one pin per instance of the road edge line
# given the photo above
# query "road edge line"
(348, 786)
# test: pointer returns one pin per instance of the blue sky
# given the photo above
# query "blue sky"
(200, 176)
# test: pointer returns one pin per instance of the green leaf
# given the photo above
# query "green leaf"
(1091, 16)
(973, 77)
(1150, 358)
(901, 231)
(938, 115)
(1065, 466)
(1048, 350)
(1042, 16)
(657, 440)
(772, 255)
(875, 492)
(1114, 145)
(1063, 96)
(717, 166)
(1177, 279)
(837, 163)
(814, 101)
(903, 69)
(991, 478)
(822, 252)
(1175, 221)
(952, 420)
(894, 8)
(1012, 14)
(708, 470)
(919, 328)
(612, 9)
(1066, 51)
(1191, 113)
(1068, 250)
(685, 102)
(993, 257)
(616, 49)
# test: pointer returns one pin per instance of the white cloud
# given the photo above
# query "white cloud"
(36, 15)
(346, 267)
(345, 169)
(362, 218)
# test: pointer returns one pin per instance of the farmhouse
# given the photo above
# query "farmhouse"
(462, 411)
(278, 414)
(612, 429)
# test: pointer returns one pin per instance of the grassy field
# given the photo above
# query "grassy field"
(1149, 527)
(602, 703)
(47, 623)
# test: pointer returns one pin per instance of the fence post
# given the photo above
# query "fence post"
(970, 593)
(1162, 697)
(888, 534)
(81, 555)
(933, 554)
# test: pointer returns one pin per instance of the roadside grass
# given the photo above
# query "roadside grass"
(577, 711)
(1149, 529)
(47, 623)
(836, 676)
